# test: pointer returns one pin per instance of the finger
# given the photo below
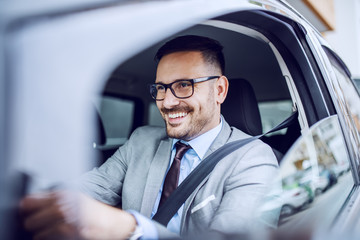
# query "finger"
(43, 218)
(33, 203)
(61, 208)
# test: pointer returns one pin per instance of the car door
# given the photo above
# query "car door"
(320, 161)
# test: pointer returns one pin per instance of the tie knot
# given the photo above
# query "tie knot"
(181, 149)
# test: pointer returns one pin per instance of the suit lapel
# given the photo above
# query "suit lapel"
(156, 176)
(219, 141)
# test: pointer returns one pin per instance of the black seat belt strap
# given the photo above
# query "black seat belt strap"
(190, 183)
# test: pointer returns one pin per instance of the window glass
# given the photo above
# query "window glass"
(314, 174)
(117, 117)
(155, 118)
(357, 83)
(349, 101)
(273, 113)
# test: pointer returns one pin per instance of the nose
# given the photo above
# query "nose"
(170, 100)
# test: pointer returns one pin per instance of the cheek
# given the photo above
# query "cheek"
(158, 105)
(202, 106)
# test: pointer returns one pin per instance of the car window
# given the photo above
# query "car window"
(273, 113)
(348, 100)
(117, 117)
(312, 174)
(155, 118)
(249, 57)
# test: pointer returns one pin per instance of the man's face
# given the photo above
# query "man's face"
(188, 118)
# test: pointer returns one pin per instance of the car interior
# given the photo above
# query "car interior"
(259, 97)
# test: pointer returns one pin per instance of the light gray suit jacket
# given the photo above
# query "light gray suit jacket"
(225, 201)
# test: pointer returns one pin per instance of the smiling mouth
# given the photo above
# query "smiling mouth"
(177, 115)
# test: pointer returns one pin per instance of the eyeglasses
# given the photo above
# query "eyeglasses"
(183, 88)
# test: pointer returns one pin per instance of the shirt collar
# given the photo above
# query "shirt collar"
(202, 143)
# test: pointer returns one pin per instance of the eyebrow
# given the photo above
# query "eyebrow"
(176, 80)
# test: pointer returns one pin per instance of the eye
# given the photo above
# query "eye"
(185, 84)
(160, 87)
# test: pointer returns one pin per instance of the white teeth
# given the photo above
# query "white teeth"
(176, 115)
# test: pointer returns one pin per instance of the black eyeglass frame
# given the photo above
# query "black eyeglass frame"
(192, 81)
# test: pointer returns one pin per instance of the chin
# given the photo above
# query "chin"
(176, 133)
(173, 134)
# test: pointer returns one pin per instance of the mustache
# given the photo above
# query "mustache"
(176, 109)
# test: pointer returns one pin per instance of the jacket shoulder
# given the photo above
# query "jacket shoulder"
(153, 132)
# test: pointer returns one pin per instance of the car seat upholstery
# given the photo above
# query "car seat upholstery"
(241, 109)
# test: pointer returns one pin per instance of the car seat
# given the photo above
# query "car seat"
(241, 109)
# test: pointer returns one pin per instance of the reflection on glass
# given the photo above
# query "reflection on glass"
(313, 170)
(348, 101)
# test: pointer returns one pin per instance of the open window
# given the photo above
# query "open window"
(268, 57)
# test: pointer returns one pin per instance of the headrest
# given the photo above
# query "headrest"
(241, 109)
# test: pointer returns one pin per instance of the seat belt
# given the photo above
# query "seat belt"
(192, 181)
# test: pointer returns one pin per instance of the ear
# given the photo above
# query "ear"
(221, 89)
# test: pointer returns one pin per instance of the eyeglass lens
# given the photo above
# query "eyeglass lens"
(181, 89)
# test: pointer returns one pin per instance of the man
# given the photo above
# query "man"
(189, 90)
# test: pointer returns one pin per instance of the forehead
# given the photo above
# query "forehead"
(181, 65)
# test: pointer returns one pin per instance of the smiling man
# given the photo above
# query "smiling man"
(189, 89)
(192, 107)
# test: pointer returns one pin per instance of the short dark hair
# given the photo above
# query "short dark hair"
(210, 49)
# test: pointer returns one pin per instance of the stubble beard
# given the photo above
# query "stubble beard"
(188, 132)
(195, 126)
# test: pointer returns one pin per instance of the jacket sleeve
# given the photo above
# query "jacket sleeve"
(105, 183)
